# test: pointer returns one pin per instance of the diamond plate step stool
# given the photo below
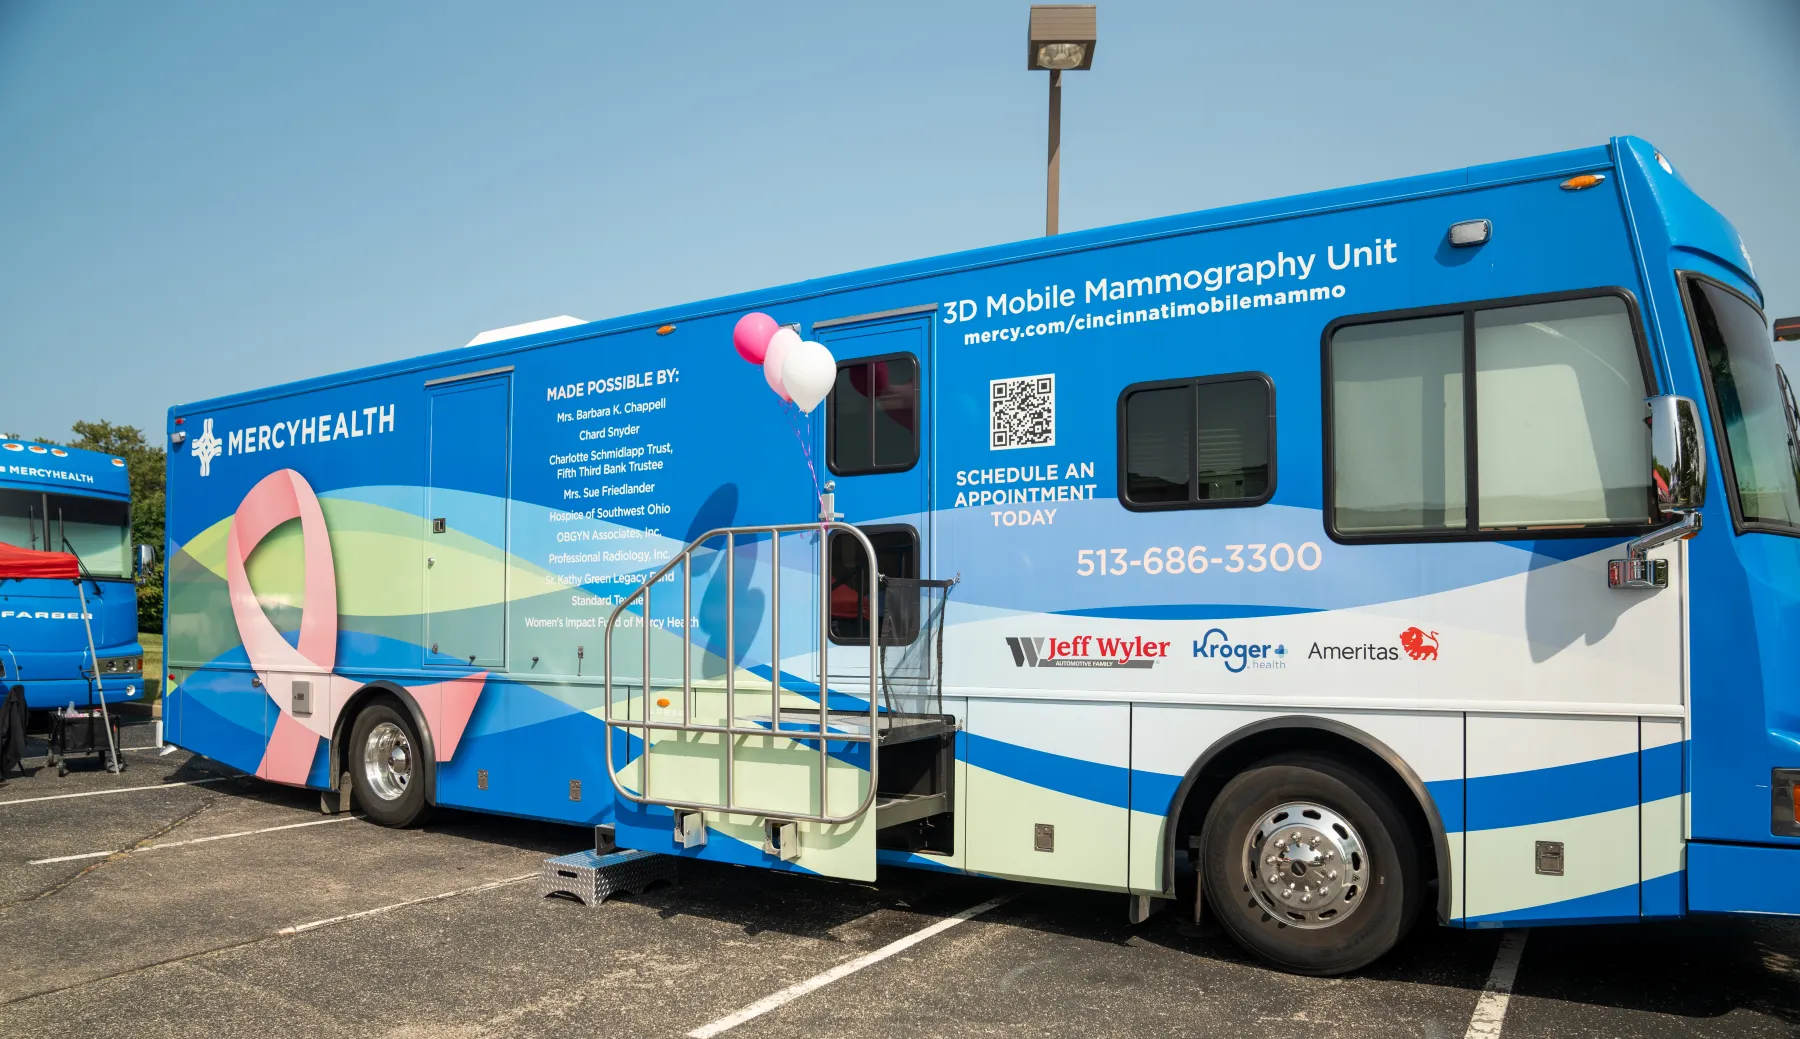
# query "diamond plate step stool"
(591, 878)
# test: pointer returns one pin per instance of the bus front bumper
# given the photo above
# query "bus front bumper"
(52, 693)
(1743, 878)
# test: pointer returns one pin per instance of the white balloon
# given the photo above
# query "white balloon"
(780, 344)
(808, 372)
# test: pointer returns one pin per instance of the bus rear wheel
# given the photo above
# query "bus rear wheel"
(1309, 864)
(386, 767)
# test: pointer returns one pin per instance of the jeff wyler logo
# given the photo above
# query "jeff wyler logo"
(1236, 656)
(1087, 651)
(297, 432)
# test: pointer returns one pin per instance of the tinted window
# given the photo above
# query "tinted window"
(1159, 449)
(1197, 442)
(896, 555)
(874, 416)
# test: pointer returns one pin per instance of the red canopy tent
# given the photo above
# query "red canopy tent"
(25, 562)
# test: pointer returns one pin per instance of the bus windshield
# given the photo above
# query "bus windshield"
(97, 530)
(22, 518)
(1751, 407)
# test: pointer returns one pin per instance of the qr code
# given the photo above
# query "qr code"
(1022, 412)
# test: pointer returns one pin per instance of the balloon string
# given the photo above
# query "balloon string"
(789, 409)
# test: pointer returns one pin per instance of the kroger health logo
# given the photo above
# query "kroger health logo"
(1236, 656)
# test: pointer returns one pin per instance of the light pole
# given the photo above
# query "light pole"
(1060, 39)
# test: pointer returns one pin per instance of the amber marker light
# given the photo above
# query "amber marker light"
(662, 701)
(665, 330)
(1585, 180)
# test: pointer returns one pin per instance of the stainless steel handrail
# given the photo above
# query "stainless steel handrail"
(730, 729)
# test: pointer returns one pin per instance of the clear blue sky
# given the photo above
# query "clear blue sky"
(198, 198)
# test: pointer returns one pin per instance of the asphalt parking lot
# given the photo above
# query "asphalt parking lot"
(289, 922)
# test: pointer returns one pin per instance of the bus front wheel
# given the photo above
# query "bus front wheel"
(1309, 864)
(386, 766)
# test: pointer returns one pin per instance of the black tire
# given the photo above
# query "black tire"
(383, 796)
(1366, 918)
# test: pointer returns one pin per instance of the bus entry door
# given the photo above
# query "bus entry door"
(876, 449)
(466, 522)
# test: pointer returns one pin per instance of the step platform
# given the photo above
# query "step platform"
(591, 877)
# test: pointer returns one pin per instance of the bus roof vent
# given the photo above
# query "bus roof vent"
(494, 335)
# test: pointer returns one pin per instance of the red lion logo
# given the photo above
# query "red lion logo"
(1413, 640)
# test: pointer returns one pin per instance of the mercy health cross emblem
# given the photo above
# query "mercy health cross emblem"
(206, 448)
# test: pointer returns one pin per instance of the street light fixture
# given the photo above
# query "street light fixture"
(1060, 39)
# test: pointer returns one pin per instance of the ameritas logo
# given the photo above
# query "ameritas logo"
(1087, 651)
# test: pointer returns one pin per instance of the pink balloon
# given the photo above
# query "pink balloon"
(752, 334)
(780, 343)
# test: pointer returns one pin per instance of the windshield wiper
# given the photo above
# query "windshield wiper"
(99, 589)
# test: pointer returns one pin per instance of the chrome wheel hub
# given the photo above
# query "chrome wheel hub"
(1306, 865)
(387, 761)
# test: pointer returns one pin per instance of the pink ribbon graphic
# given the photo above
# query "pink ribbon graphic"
(288, 758)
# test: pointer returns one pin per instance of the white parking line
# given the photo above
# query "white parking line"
(195, 840)
(819, 981)
(120, 790)
(297, 928)
(1490, 1010)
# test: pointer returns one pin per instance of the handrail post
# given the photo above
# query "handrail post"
(687, 639)
(644, 771)
(730, 671)
(824, 650)
(775, 631)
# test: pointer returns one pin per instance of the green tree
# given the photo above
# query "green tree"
(144, 462)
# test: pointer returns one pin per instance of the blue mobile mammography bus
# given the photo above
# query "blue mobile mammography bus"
(56, 499)
(1425, 547)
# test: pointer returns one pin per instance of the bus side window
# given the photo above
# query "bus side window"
(896, 555)
(872, 416)
(1197, 443)
(1546, 434)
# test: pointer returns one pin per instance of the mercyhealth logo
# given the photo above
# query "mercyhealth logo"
(1216, 645)
(206, 448)
(1087, 651)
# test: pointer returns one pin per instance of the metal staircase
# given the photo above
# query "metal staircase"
(904, 705)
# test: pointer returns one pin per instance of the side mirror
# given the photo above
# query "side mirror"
(1677, 456)
(143, 557)
(1678, 480)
